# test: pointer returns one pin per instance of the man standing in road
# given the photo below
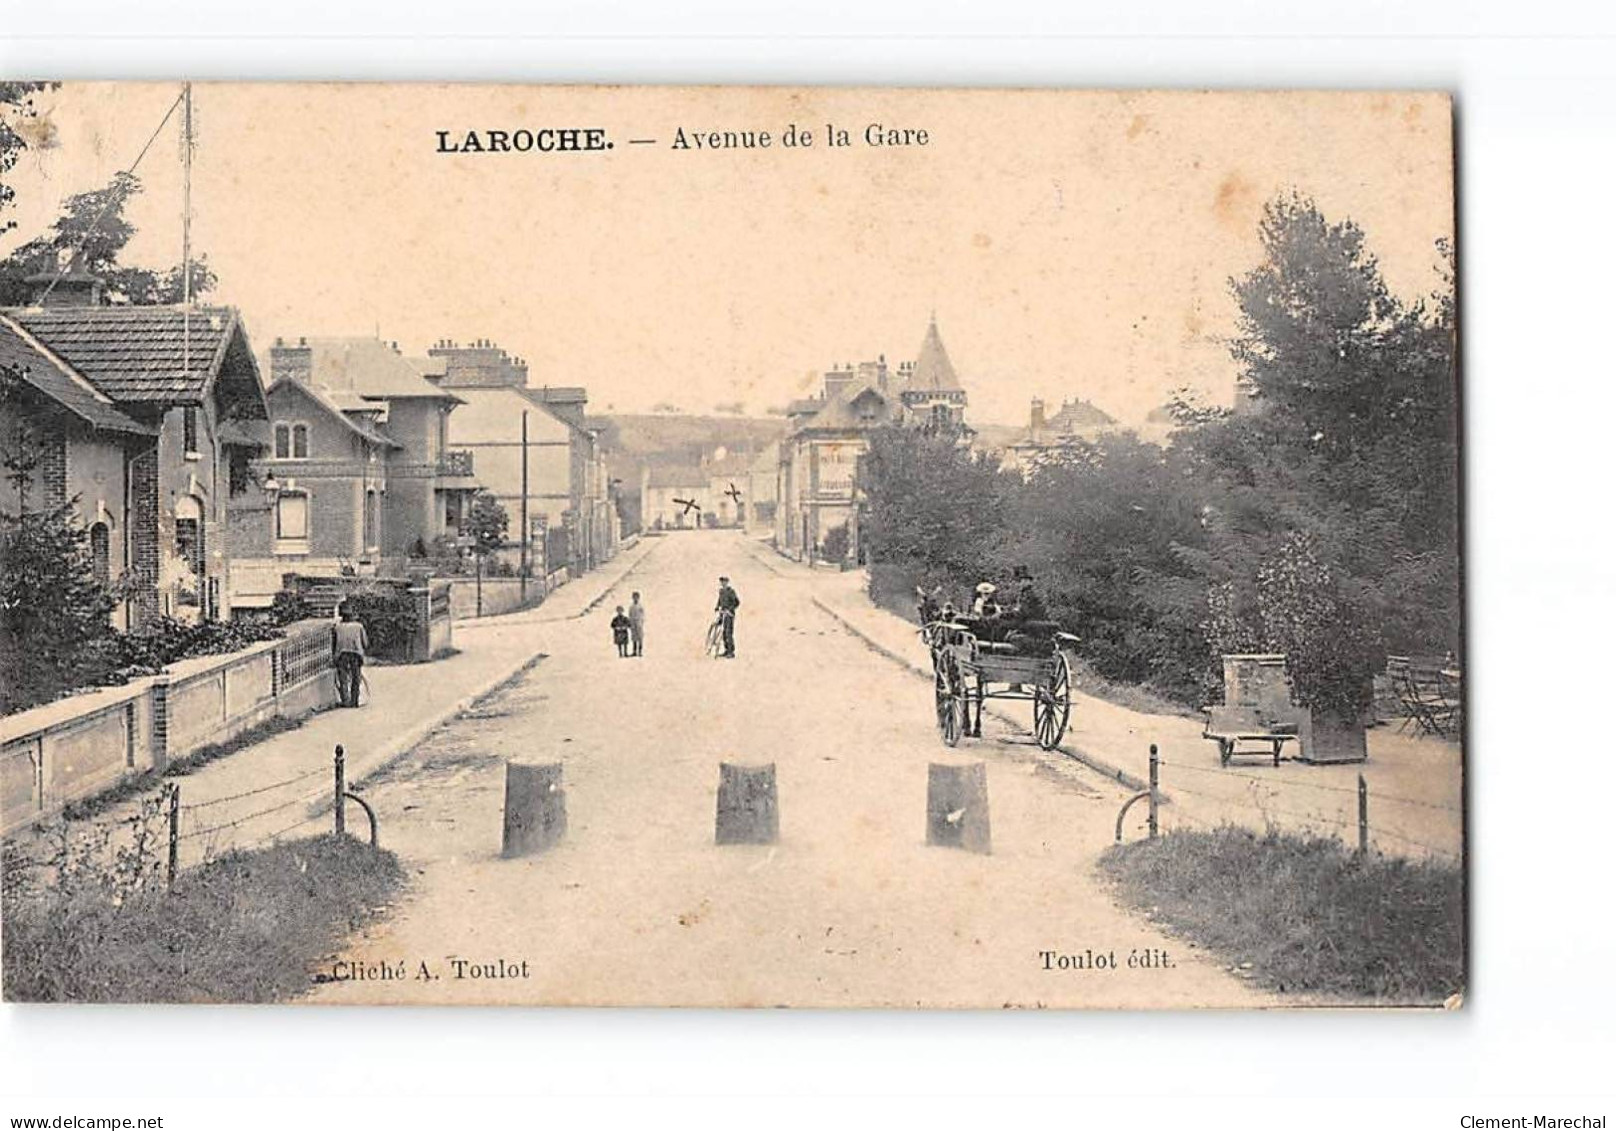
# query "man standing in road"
(348, 644)
(728, 603)
(636, 625)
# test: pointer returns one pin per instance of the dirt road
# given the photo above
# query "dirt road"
(851, 907)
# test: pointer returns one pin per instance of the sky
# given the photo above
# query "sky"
(1069, 244)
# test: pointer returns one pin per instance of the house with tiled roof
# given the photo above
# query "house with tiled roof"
(359, 450)
(1075, 423)
(816, 486)
(535, 450)
(665, 491)
(181, 386)
(67, 443)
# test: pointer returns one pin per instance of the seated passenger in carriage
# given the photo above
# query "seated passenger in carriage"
(1025, 603)
(986, 605)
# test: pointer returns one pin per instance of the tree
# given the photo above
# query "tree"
(1332, 508)
(487, 523)
(94, 230)
(20, 129)
(54, 626)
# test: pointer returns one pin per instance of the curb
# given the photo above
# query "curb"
(369, 764)
(1098, 765)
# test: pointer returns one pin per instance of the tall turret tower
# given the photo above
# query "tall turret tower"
(930, 389)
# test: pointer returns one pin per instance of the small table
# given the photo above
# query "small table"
(1229, 727)
(1228, 744)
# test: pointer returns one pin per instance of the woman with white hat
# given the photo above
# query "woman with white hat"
(985, 605)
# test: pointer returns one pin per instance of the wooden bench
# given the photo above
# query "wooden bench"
(1229, 727)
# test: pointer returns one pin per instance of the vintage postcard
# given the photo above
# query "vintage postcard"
(729, 547)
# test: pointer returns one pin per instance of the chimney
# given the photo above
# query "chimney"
(1037, 417)
(74, 287)
(838, 379)
(295, 363)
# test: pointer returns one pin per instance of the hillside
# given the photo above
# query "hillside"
(632, 440)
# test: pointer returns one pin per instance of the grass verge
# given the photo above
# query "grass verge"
(1308, 915)
(139, 783)
(247, 927)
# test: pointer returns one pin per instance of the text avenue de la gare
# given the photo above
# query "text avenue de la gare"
(590, 139)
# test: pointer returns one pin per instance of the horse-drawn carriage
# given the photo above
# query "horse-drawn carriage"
(975, 659)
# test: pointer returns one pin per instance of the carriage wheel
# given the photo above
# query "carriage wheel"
(950, 701)
(1052, 707)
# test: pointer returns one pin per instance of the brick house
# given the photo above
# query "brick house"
(68, 442)
(187, 377)
(816, 486)
(359, 453)
(567, 485)
(1075, 423)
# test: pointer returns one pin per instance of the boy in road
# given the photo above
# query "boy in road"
(620, 625)
(636, 626)
(728, 603)
(348, 645)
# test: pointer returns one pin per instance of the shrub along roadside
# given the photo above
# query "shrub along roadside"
(1310, 916)
(248, 927)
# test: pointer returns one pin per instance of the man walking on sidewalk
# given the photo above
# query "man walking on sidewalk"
(348, 644)
(636, 625)
(728, 603)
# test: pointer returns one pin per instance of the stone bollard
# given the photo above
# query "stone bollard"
(957, 807)
(535, 808)
(748, 807)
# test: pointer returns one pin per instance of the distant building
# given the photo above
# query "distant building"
(816, 476)
(674, 496)
(1076, 422)
(179, 389)
(567, 492)
(358, 451)
(763, 490)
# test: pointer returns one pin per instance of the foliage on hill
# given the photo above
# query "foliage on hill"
(1322, 524)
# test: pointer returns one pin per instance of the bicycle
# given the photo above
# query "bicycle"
(715, 634)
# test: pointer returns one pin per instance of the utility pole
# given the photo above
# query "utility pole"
(186, 145)
(526, 533)
(186, 142)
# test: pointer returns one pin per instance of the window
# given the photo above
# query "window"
(188, 428)
(100, 551)
(371, 517)
(188, 544)
(292, 516)
(291, 441)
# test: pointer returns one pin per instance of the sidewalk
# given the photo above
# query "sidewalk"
(283, 785)
(1415, 784)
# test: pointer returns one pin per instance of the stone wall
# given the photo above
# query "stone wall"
(83, 745)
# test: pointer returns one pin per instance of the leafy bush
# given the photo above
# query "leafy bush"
(165, 641)
(389, 616)
(246, 927)
(1310, 916)
(836, 544)
(54, 629)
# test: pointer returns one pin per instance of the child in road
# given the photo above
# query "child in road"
(636, 626)
(620, 627)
